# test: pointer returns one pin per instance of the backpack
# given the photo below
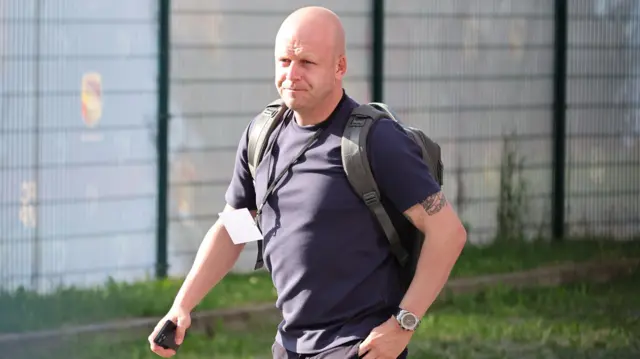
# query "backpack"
(405, 240)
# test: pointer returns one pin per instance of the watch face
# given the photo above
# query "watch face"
(409, 321)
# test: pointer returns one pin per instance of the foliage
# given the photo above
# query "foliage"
(512, 202)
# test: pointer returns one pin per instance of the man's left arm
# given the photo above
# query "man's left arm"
(405, 179)
(445, 237)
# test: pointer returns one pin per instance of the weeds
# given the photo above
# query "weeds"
(513, 206)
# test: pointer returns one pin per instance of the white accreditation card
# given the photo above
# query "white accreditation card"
(240, 225)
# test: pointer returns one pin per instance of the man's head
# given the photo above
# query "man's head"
(310, 59)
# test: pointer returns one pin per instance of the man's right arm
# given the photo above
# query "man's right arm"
(215, 258)
(217, 253)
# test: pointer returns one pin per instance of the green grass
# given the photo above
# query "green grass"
(28, 311)
(511, 257)
(23, 311)
(575, 321)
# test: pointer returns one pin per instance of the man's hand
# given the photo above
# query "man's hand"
(183, 320)
(386, 341)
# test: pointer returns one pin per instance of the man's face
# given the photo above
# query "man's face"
(306, 68)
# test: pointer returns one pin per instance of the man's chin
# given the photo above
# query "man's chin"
(292, 102)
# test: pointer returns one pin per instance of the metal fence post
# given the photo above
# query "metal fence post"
(377, 50)
(163, 135)
(36, 257)
(559, 120)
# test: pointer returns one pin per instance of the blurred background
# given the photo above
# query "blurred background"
(82, 141)
(119, 120)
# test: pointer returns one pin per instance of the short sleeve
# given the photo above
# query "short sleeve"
(397, 165)
(241, 191)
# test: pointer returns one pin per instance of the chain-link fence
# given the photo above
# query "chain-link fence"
(77, 151)
(603, 122)
(79, 108)
(476, 76)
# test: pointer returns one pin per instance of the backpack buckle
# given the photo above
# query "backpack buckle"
(270, 111)
(370, 198)
(358, 121)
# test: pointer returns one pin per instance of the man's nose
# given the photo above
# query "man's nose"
(293, 71)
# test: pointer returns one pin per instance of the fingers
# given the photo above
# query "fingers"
(369, 353)
(364, 349)
(183, 323)
(156, 330)
(165, 353)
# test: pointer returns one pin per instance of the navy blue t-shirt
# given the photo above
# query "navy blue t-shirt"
(335, 276)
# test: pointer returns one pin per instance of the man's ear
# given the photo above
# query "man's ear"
(341, 67)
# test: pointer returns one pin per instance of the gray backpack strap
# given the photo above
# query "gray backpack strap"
(356, 165)
(260, 131)
(259, 134)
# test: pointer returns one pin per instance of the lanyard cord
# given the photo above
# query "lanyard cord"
(277, 179)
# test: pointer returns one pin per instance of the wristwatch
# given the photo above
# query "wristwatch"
(407, 320)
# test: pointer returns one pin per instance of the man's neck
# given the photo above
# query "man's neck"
(321, 113)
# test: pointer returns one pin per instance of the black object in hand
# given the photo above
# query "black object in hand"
(166, 338)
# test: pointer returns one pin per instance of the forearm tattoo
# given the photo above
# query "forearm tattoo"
(434, 203)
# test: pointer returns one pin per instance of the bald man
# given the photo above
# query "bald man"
(313, 41)
(337, 281)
